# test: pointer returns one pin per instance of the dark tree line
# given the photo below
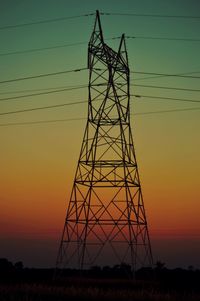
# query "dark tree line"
(158, 276)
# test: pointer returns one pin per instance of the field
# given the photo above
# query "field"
(92, 290)
(158, 284)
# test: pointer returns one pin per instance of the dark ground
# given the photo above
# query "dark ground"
(160, 284)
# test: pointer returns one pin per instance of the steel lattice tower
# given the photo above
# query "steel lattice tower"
(106, 221)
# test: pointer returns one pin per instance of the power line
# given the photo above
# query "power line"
(167, 88)
(43, 89)
(160, 76)
(92, 14)
(167, 111)
(63, 89)
(44, 21)
(41, 75)
(82, 69)
(32, 50)
(163, 38)
(150, 77)
(41, 93)
(82, 118)
(44, 108)
(84, 86)
(85, 101)
(149, 15)
(165, 74)
(41, 121)
(60, 88)
(167, 98)
(41, 49)
(184, 75)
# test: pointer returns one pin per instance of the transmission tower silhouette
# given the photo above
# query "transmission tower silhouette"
(105, 221)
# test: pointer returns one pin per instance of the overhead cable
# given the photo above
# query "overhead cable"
(163, 38)
(149, 15)
(166, 74)
(54, 47)
(166, 88)
(41, 75)
(43, 108)
(44, 21)
(166, 98)
(82, 118)
(85, 101)
(42, 93)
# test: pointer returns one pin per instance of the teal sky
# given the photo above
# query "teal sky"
(38, 161)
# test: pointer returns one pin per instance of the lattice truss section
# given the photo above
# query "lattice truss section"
(106, 221)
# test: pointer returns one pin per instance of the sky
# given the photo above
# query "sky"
(38, 161)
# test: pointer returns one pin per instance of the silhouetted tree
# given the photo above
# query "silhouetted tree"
(5, 265)
(19, 265)
(160, 265)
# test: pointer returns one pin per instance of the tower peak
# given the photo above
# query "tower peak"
(97, 34)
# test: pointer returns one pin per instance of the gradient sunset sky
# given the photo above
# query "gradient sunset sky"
(38, 161)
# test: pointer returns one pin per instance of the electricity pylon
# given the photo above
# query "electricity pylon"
(106, 221)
